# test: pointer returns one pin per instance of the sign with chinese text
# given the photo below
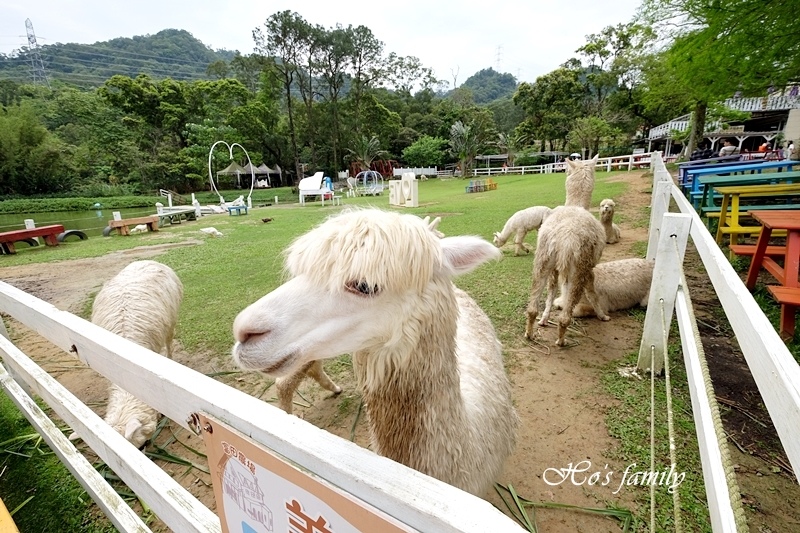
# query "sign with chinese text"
(259, 492)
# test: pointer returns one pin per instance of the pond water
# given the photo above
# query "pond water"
(90, 222)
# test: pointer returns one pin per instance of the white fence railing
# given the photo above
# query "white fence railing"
(617, 162)
(764, 103)
(418, 501)
(774, 370)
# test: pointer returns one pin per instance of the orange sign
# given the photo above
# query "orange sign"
(259, 492)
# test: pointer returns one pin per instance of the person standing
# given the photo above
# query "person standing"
(789, 151)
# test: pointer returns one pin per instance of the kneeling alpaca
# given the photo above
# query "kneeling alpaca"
(570, 244)
(606, 218)
(141, 304)
(618, 285)
(432, 378)
(520, 223)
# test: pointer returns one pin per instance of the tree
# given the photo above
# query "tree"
(464, 145)
(283, 38)
(365, 150)
(588, 132)
(426, 151)
(551, 104)
(719, 48)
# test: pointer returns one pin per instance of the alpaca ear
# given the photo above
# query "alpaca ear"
(131, 427)
(462, 254)
(596, 157)
(570, 163)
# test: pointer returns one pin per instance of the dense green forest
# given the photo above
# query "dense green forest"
(312, 98)
(169, 53)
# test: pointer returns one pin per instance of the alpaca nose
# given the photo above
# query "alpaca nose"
(244, 335)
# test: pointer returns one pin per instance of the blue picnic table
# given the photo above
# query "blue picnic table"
(751, 166)
(684, 181)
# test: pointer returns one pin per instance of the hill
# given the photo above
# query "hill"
(489, 85)
(176, 54)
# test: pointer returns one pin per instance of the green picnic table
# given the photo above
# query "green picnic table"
(703, 200)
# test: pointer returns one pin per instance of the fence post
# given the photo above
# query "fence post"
(658, 207)
(672, 241)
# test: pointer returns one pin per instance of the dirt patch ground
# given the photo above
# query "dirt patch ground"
(557, 392)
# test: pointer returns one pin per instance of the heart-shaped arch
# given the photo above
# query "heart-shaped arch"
(230, 152)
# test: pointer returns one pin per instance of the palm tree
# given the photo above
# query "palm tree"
(463, 145)
(511, 144)
(365, 151)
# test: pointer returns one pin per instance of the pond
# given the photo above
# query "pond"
(90, 222)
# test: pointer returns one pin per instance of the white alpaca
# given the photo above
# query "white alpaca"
(618, 284)
(607, 220)
(570, 243)
(580, 182)
(432, 378)
(140, 304)
(139, 228)
(286, 386)
(520, 223)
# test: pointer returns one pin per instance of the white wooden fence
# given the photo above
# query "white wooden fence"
(618, 162)
(774, 370)
(414, 499)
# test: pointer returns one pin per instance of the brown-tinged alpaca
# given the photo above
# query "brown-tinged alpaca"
(570, 244)
(431, 374)
(580, 182)
(607, 220)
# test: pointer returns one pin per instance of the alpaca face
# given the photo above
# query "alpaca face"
(363, 280)
(607, 207)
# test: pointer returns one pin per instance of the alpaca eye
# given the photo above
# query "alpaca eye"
(362, 287)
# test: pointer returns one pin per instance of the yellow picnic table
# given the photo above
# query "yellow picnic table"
(731, 196)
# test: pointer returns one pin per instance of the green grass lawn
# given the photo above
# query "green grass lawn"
(224, 275)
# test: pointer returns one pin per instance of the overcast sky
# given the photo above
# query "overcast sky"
(524, 38)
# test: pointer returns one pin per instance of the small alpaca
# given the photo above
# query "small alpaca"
(580, 182)
(618, 284)
(570, 243)
(520, 223)
(139, 228)
(211, 232)
(140, 304)
(606, 219)
(434, 387)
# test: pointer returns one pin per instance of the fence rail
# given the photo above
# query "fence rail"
(774, 370)
(618, 162)
(414, 499)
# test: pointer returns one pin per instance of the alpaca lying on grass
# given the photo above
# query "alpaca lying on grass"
(141, 304)
(580, 182)
(570, 244)
(618, 285)
(607, 220)
(435, 391)
(520, 223)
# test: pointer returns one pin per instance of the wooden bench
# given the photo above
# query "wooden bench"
(122, 225)
(49, 233)
(750, 249)
(789, 298)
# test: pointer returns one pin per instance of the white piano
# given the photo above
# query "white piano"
(312, 186)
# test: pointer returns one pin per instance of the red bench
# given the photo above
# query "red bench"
(49, 233)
